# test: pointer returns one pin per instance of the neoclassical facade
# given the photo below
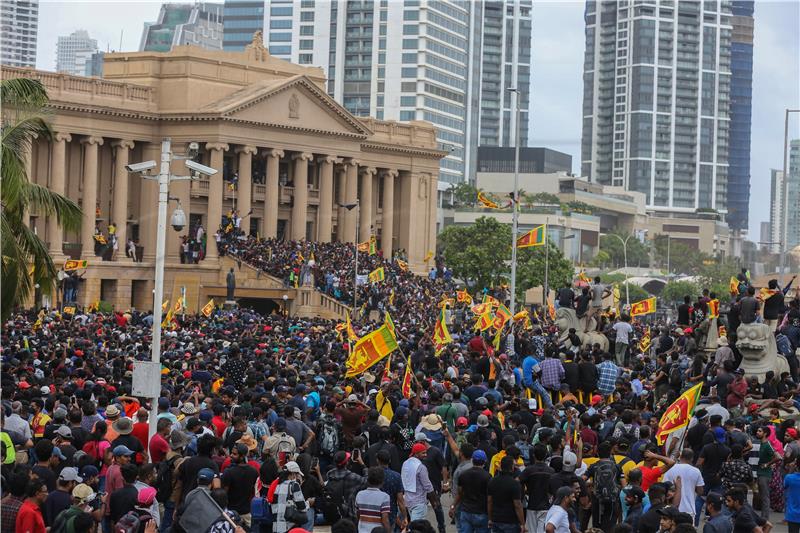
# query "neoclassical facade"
(298, 156)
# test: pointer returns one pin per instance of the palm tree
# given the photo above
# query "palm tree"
(25, 261)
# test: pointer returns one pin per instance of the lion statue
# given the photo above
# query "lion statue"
(566, 319)
(759, 351)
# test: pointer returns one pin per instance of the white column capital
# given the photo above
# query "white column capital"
(303, 156)
(60, 136)
(91, 139)
(218, 146)
(246, 149)
(368, 170)
(333, 160)
(274, 152)
(389, 173)
(351, 162)
(123, 143)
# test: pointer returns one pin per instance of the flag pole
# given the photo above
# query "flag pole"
(546, 289)
(514, 205)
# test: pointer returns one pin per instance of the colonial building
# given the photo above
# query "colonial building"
(298, 156)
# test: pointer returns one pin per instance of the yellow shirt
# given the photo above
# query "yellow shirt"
(494, 465)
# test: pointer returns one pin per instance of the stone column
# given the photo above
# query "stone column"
(272, 199)
(434, 211)
(58, 172)
(365, 204)
(341, 185)
(89, 204)
(387, 219)
(325, 209)
(300, 197)
(350, 197)
(119, 203)
(215, 197)
(245, 200)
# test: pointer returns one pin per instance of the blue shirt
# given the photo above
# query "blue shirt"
(528, 366)
(392, 484)
(791, 484)
(607, 373)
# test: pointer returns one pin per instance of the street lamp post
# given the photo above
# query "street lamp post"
(784, 201)
(515, 204)
(625, 259)
(357, 206)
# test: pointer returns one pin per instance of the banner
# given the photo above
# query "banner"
(535, 237)
(678, 414)
(644, 307)
(208, 308)
(74, 264)
(369, 350)
(377, 275)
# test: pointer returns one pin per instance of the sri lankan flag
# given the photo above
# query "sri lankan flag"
(713, 308)
(486, 202)
(369, 350)
(377, 275)
(678, 414)
(208, 308)
(485, 321)
(75, 264)
(535, 237)
(389, 323)
(644, 307)
(363, 247)
(501, 316)
(766, 293)
(583, 277)
(428, 256)
(351, 333)
(405, 387)
(391, 297)
(644, 342)
(446, 302)
(69, 310)
(373, 245)
(164, 306)
(167, 319)
(733, 286)
(441, 336)
(551, 310)
(491, 300)
(463, 296)
(481, 309)
(180, 306)
(402, 265)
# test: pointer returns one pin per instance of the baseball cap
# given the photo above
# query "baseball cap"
(421, 437)
(792, 433)
(293, 467)
(418, 448)
(596, 399)
(462, 421)
(89, 471)
(569, 461)
(70, 474)
(669, 512)
(280, 423)
(719, 434)
(58, 453)
(146, 496)
(205, 476)
(64, 432)
(122, 450)
(633, 490)
(483, 421)
(83, 493)
(479, 456)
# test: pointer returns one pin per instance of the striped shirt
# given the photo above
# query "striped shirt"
(371, 503)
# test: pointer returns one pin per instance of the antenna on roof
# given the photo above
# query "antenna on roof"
(120, 38)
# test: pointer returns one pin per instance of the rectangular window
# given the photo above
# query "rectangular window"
(411, 15)
(306, 44)
(280, 37)
(281, 11)
(381, 72)
(408, 72)
(410, 44)
(281, 50)
(380, 100)
(409, 58)
(408, 101)
(280, 24)
(410, 29)
(408, 87)
(407, 115)
(306, 16)
(381, 44)
(382, 57)
(306, 30)
(306, 59)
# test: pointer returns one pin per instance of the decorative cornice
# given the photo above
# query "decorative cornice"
(61, 136)
(302, 156)
(218, 146)
(429, 153)
(92, 139)
(274, 152)
(246, 149)
(122, 143)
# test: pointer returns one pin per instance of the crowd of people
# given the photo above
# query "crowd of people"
(258, 428)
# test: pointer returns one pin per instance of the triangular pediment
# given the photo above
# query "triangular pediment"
(295, 103)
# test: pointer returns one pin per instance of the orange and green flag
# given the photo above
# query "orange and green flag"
(405, 388)
(377, 275)
(441, 335)
(644, 307)
(713, 308)
(373, 245)
(486, 202)
(733, 286)
(535, 237)
(369, 350)
(75, 264)
(485, 321)
(208, 308)
(501, 316)
(463, 296)
(678, 414)
(402, 265)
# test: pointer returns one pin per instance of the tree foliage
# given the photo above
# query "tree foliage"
(541, 198)
(481, 254)
(674, 291)
(635, 292)
(464, 194)
(25, 261)
(638, 252)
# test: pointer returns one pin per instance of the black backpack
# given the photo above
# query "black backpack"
(163, 484)
(328, 436)
(333, 500)
(606, 489)
(675, 375)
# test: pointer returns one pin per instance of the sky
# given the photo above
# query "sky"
(556, 84)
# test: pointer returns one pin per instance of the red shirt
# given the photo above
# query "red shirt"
(650, 476)
(30, 519)
(140, 432)
(227, 462)
(158, 448)
(219, 426)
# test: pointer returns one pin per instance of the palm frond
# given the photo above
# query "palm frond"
(23, 92)
(46, 202)
(14, 277)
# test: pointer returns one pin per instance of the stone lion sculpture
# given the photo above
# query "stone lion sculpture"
(567, 318)
(759, 351)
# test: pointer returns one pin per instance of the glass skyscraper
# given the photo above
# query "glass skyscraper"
(19, 28)
(240, 20)
(656, 102)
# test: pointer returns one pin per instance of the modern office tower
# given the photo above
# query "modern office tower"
(198, 24)
(793, 197)
(19, 26)
(740, 110)
(94, 65)
(72, 52)
(242, 18)
(657, 82)
(765, 234)
(776, 206)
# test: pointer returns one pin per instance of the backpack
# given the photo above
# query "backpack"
(333, 500)
(629, 434)
(406, 438)
(92, 449)
(282, 447)
(328, 436)
(675, 375)
(130, 523)
(65, 521)
(163, 484)
(606, 489)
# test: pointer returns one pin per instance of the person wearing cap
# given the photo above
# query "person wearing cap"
(718, 522)
(61, 498)
(59, 419)
(112, 414)
(124, 428)
(62, 438)
(84, 500)
(634, 497)
(416, 483)
(342, 480)
(288, 490)
(196, 513)
(471, 496)
(557, 518)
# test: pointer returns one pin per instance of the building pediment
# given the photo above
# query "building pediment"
(296, 103)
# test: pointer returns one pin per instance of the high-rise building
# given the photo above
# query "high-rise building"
(94, 65)
(445, 61)
(657, 78)
(242, 18)
(198, 24)
(765, 234)
(740, 110)
(793, 197)
(72, 52)
(775, 210)
(19, 26)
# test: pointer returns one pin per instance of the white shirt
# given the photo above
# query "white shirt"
(717, 409)
(690, 480)
(557, 516)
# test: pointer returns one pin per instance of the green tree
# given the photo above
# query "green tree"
(635, 292)
(600, 259)
(715, 276)
(464, 194)
(638, 253)
(531, 268)
(683, 259)
(24, 104)
(674, 291)
(542, 198)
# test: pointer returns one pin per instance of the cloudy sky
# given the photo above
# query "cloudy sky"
(557, 85)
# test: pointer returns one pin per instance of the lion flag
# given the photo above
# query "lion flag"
(75, 264)
(463, 296)
(644, 307)
(644, 342)
(369, 350)
(208, 308)
(713, 308)
(486, 202)
(502, 315)
(441, 335)
(402, 265)
(406, 385)
(377, 275)
(678, 414)
(733, 286)
(535, 237)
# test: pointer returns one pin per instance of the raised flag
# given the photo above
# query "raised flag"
(377, 275)
(441, 335)
(501, 316)
(446, 302)
(491, 300)
(521, 315)
(486, 202)
(428, 256)
(485, 321)
(644, 307)
(535, 237)
(463, 296)
(402, 265)
(387, 320)
(551, 310)
(678, 414)
(405, 387)
(480, 309)
(766, 293)
(713, 308)
(75, 264)
(164, 306)
(733, 286)
(644, 342)
(369, 350)
(167, 319)
(391, 297)
(373, 245)
(208, 308)
(583, 277)
(69, 310)
(363, 247)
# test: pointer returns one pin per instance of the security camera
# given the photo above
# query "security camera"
(178, 220)
(193, 150)
(200, 169)
(144, 166)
